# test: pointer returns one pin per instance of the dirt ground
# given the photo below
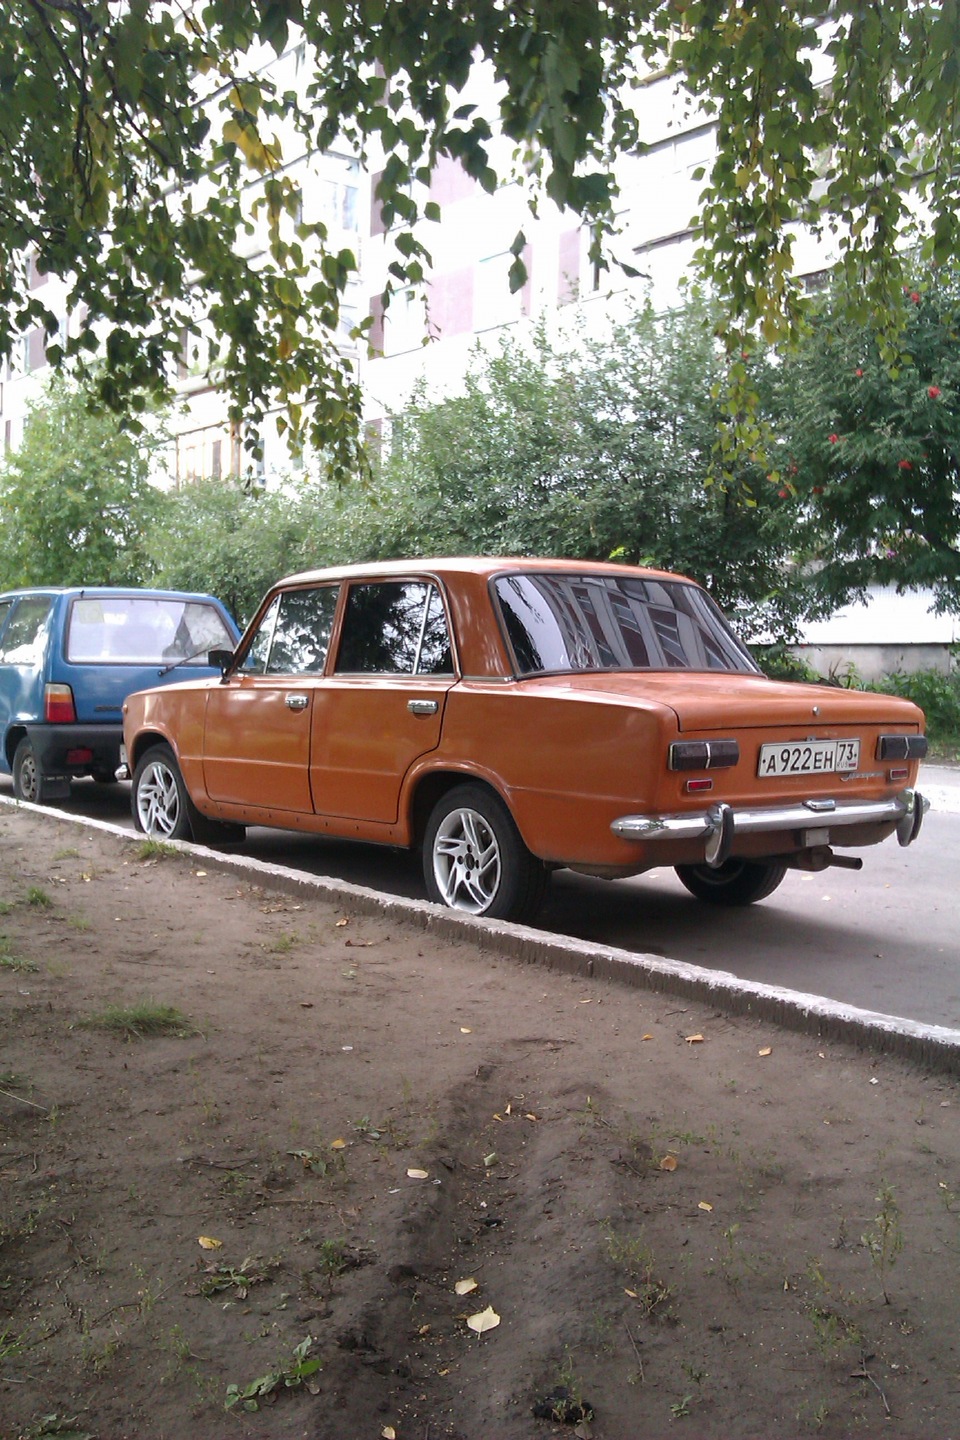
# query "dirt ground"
(675, 1222)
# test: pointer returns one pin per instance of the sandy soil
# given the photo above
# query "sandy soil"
(684, 1223)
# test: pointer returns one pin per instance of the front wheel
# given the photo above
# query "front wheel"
(158, 796)
(474, 859)
(735, 882)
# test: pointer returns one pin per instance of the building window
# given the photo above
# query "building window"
(493, 302)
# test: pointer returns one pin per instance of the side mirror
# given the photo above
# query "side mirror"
(223, 659)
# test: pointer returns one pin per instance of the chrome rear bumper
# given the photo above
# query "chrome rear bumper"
(721, 824)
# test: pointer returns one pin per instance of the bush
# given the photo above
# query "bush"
(778, 662)
(938, 696)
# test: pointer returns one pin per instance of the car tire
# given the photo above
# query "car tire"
(27, 780)
(158, 796)
(735, 882)
(475, 861)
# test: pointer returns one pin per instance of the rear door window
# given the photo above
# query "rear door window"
(25, 635)
(143, 630)
(395, 628)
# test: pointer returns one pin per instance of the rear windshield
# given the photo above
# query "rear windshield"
(559, 623)
(140, 630)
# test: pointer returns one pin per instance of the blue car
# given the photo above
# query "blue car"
(68, 660)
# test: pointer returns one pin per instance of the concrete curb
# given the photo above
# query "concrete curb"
(932, 1046)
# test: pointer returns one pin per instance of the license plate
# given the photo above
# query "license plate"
(808, 757)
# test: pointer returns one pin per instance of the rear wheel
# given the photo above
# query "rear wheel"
(475, 861)
(735, 882)
(158, 796)
(27, 783)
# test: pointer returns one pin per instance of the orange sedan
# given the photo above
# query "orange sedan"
(509, 717)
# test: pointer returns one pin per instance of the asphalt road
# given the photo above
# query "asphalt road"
(885, 938)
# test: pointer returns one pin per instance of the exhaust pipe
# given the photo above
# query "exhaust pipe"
(821, 858)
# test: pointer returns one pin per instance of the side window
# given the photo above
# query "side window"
(4, 612)
(301, 636)
(255, 659)
(436, 652)
(395, 628)
(24, 637)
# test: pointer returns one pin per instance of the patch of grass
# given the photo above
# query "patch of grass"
(632, 1255)
(135, 1022)
(38, 898)
(218, 1278)
(155, 850)
(70, 853)
(5, 907)
(63, 1427)
(14, 962)
(288, 1376)
(11, 1345)
(884, 1238)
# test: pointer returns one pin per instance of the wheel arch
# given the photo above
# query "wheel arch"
(15, 733)
(145, 741)
(431, 786)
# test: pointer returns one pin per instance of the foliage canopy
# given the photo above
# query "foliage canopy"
(75, 498)
(131, 132)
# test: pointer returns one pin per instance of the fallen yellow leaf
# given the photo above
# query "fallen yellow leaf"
(484, 1320)
(646, 1037)
(767, 1050)
(694, 1039)
(341, 923)
(669, 1162)
(704, 1205)
(338, 1144)
(418, 1174)
(632, 1293)
(465, 1287)
(465, 1030)
(206, 1242)
(388, 1433)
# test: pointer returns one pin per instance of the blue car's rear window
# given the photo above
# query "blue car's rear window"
(143, 630)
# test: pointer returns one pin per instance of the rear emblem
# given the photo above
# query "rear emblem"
(816, 709)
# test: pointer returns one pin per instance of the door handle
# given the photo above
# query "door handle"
(422, 707)
(296, 702)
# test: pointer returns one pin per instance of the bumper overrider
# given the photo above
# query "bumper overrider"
(721, 824)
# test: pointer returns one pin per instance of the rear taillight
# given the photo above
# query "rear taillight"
(58, 706)
(703, 754)
(901, 747)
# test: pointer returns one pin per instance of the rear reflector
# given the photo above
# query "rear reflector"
(697, 785)
(58, 706)
(79, 757)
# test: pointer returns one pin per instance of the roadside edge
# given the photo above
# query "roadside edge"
(933, 1046)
